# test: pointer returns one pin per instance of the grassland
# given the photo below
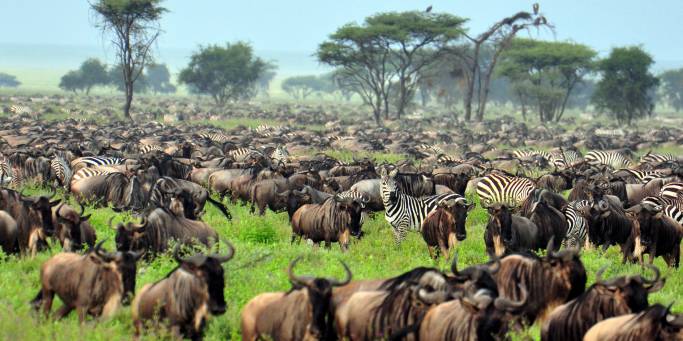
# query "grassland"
(263, 253)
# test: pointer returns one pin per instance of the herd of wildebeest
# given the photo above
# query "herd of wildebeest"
(166, 174)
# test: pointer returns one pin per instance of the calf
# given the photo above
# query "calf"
(186, 296)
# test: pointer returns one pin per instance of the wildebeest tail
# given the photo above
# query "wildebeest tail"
(221, 207)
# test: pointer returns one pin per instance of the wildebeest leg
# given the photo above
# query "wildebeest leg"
(82, 311)
(444, 250)
(48, 296)
(261, 210)
(63, 312)
(295, 237)
(677, 256)
(328, 244)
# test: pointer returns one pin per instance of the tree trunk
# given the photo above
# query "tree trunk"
(129, 101)
(470, 84)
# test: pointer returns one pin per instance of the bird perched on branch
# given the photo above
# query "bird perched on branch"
(429, 9)
(536, 8)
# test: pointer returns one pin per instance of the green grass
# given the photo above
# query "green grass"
(263, 254)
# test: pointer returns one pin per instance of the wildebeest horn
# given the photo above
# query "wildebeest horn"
(550, 247)
(603, 205)
(454, 265)
(82, 208)
(496, 266)
(227, 256)
(294, 279)
(654, 284)
(337, 283)
(137, 255)
(505, 304)
(109, 222)
(98, 251)
(434, 297)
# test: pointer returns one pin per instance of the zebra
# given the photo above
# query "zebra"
(577, 232)
(61, 171)
(149, 148)
(669, 210)
(280, 155)
(553, 159)
(215, 137)
(448, 159)
(613, 159)
(96, 161)
(565, 158)
(92, 171)
(405, 212)
(656, 158)
(241, 153)
(644, 176)
(430, 149)
(500, 188)
(20, 109)
(672, 194)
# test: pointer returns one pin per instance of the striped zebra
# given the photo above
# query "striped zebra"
(92, 171)
(448, 159)
(149, 148)
(95, 161)
(61, 171)
(430, 149)
(20, 109)
(577, 231)
(241, 153)
(672, 194)
(656, 158)
(644, 176)
(280, 155)
(405, 212)
(553, 159)
(669, 210)
(565, 158)
(215, 137)
(505, 189)
(613, 159)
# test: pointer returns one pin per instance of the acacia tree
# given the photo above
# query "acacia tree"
(91, 73)
(134, 26)
(300, 87)
(673, 87)
(159, 79)
(546, 73)
(225, 73)
(7, 80)
(498, 38)
(626, 89)
(266, 77)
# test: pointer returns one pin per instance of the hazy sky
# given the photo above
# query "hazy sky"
(300, 25)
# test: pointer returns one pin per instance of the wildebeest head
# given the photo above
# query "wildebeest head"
(460, 210)
(646, 215)
(474, 278)
(567, 266)
(209, 269)
(41, 207)
(71, 234)
(130, 237)
(126, 264)
(502, 217)
(181, 201)
(319, 295)
(354, 207)
(633, 290)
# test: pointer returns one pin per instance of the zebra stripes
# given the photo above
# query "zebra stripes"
(577, 231)
(405, 212)
(215, 137)
(643, 176)
(149, 148)
(241, 153)
(669, 210)
(672, 194)
(499, 188)
(61, 171)
(655, 158)
(20, 109)
(279, 156)
(430, 149)
(87, 172)
(96, 161)
(613, 159)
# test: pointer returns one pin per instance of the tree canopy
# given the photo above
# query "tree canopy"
(91, 73)
(388, 50)
(300, 87)
(159, 79)
(134, 27)
(544, 73)
(9, 81)
(626, 89)
(226, 73)
(672, 88)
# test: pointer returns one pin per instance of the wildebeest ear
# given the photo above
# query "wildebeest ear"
(55, 202)
(85, 217)
(382, 172)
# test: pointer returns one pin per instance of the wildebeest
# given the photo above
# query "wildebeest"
(507, 232)
(72, 229)
(551, 281)
(303, 313)
(94, 284)
(335, 220)
(609, 225)
(33, 216)
(193, 196)
(656, 233)
(657, 322)
(186, 296)
(604, 299)
(9, 234)
(115, 188)
(445, 226)
(158, 228)
(482, 316)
